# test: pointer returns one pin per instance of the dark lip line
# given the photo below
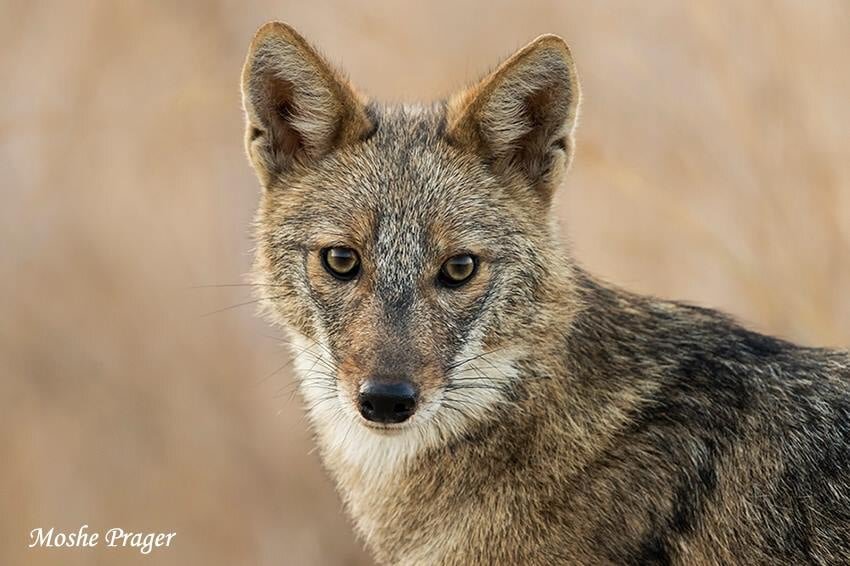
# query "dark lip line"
(384, 428)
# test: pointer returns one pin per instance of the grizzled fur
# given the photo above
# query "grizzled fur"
(561, 420)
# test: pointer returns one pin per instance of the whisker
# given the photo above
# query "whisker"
(225, 285)
(312, 406)
(301, 350)
(331, 376)
(481, 386)
(272, 374)
(347, 432)
(467, 402)
(283, 340)
(316, 360)
(472, 358)
(479, 372)
(451, 406)
(330, 366)
(287, 390)
(327, 388)
(492, 365)
(478, 377)
(239, 305)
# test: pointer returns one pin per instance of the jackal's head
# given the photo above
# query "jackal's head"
(407, 249)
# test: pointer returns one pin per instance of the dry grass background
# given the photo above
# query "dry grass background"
(712, 166)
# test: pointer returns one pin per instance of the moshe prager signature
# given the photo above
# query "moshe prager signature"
(113, 538)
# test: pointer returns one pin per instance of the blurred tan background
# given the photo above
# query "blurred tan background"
(713, 166)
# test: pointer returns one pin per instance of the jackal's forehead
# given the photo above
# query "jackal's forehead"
(404, 193)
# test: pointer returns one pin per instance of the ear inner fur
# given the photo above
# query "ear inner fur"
(521, 117)
(298, 107)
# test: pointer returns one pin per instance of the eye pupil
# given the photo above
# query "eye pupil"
(342, 263)
(457, 270)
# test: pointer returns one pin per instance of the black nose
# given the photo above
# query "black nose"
(383, 402)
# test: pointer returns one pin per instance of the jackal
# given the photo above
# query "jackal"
(476, 395)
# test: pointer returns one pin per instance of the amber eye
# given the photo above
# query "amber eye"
(457, 270)
(342, 263)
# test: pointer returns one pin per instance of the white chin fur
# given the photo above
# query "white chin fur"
(345, 438)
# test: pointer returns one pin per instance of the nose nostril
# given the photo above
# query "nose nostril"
(401, 408)
(368, 405)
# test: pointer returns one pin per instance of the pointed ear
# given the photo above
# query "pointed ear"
(297, 107)
(520, 118)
